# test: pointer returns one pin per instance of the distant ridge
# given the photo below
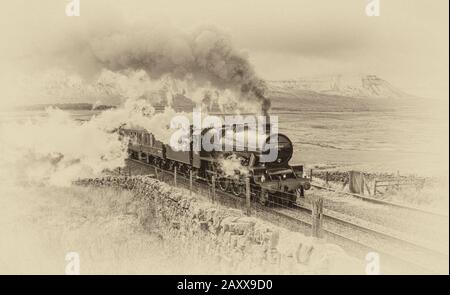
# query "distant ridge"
(64, 106)
(356, 86)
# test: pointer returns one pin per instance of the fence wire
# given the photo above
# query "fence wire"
(276, 198)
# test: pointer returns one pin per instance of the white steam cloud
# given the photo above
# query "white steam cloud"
(232, 166)
(56, 149)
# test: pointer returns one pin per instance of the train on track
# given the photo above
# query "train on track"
(271, 182)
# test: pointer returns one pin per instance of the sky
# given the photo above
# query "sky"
(406, 45)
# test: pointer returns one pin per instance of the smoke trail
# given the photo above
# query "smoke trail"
(205, 55)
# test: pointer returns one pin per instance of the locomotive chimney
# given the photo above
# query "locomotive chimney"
(267, 124)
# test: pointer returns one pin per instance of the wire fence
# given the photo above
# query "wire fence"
(240, 193)
(363, 183)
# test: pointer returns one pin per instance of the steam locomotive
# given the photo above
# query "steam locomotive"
(271, 182)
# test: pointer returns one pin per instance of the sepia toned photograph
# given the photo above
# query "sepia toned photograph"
(288, 137)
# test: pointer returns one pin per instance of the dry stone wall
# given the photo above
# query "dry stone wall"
(239, 244)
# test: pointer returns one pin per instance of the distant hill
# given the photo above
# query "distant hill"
(65, 106)
(356, 86)
(316, 102)
(326, 93)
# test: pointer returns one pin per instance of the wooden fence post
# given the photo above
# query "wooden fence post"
(175, 176)
(351, 187)
(156, 172)
(310, 174)
(366, 184)
(375, 187)
(361, 184)
(316, 214)
(190, 181)
(247, 195)
(213, 178)
(326, 178)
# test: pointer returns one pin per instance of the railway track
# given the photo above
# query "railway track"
(404, 252)
(382, 202)
(339, 218)
(423, 227)
(355, 238)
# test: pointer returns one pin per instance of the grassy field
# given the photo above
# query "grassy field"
(377, 135)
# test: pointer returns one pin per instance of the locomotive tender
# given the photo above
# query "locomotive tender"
(274, 181)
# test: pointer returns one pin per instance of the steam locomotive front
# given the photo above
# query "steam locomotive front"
(266, 157)
(276, 176)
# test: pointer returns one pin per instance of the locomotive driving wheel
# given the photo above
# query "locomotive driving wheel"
(237, 187)
(263, 197)
(223, 183)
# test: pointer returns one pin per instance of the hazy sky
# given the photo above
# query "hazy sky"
(285, 39)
